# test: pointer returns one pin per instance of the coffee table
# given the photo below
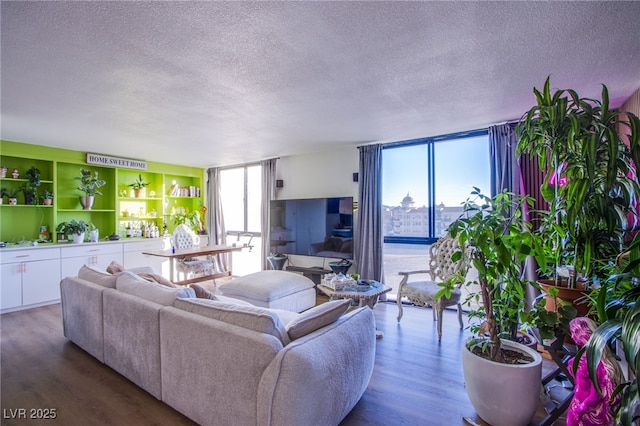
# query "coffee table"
(366, 296)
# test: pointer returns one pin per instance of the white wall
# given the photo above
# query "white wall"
(324, 174)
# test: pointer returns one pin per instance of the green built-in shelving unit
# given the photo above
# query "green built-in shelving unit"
(111, 212)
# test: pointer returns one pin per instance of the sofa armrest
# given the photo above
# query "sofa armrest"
(82, 321)
(319, 378)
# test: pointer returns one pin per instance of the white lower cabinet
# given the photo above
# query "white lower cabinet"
(29, 277)
(98, 255)
(134, 257)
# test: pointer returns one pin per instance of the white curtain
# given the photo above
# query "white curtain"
(268, 194)
(369, 238)
(217, 231)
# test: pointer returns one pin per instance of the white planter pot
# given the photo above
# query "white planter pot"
(78, 239)
(503, 394)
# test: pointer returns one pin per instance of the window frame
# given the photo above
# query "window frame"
(431, 184)
(245, 198)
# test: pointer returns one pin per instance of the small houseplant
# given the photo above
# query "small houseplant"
(498, 241)
(47, 197)
(3, 193)
(74, 228)
(90, 184)
(30, 187)
(12, 196)
(139, 186)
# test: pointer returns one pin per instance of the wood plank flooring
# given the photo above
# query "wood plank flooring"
(416, 381)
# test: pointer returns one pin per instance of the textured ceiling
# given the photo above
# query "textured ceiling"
(220, 83)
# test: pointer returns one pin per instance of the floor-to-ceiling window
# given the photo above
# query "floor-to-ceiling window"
(240, 192)
(424, 183)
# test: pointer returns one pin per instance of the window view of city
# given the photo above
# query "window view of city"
(425, 185)
(423, 189)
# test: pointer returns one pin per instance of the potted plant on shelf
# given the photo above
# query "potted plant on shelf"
(139, 186)
(47, 197)
(74, 228)
(12, 196)
(590, 183)
(502, 377)
(89, 184)
(30, 186)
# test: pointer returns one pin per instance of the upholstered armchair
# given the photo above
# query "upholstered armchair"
(441, 268)
(182, 238)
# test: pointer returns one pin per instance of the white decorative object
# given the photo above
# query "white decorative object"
(93, 236)
(78, 238)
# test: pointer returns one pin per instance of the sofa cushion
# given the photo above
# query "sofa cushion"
(130, 283)
(97, 276)
(249, 317)
(316, 318)
(266, 285)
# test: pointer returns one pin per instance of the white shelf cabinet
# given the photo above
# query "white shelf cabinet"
(30, 277)
(99, 255)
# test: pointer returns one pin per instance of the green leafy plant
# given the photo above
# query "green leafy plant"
(189, 218)
(89, 182)
(550, 324)
(498, 240)
(139, 183)
(46, 195)
(617, 305)
(12, 192)
(72, 227)
(589, 182)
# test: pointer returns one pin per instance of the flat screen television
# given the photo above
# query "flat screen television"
(313, 227)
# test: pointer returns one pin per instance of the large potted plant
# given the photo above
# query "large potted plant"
(30, 186)
(89, 184)
(502, 377)
(589, 181)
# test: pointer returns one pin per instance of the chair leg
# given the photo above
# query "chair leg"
(433, 311)
(399, 302)
(460, 316)
(440, 309)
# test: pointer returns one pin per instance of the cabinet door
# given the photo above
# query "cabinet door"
(40, 281)
(10, 285)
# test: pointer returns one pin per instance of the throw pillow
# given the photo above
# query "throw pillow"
(203, 293)
(157, 279)
(97, 276)
(316, 318)
(115, 268)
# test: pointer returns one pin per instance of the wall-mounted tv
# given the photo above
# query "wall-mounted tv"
(313, 227)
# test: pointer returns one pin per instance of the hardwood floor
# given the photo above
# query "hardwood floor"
(416, 381)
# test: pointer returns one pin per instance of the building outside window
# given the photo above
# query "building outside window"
(424, 184)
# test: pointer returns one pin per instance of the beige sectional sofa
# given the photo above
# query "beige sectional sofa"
(223, 362)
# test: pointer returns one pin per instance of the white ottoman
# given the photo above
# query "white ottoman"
(273, 289)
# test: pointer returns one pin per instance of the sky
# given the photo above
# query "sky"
(460, 164)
